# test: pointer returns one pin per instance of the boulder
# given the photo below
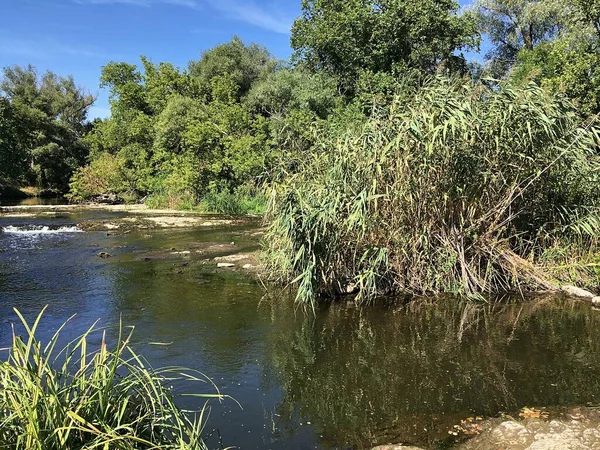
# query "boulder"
(577, 292)
(107, 199)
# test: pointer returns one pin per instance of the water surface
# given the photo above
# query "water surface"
(341, 378)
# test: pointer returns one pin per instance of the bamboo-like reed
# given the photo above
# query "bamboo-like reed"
(458, 189)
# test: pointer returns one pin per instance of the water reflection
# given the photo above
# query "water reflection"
(344, 377)
(407, 374)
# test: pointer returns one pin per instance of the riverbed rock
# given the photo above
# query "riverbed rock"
(225, 265)
(232, 258)
(596, 301)
(396, 447)
(577, 292)
(577, 431)
(104, 255)
(107, 199)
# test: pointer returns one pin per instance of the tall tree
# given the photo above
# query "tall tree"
(513, 25)
(346, 37)
(52, 115)
(569, 63)
(243, 64)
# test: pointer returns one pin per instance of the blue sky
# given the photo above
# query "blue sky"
(78, 37)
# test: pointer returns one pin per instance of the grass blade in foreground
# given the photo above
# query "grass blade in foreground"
(107, 398)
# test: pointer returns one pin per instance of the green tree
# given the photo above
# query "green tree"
(570, 62)
(177, 134)
(513, 25)
(52, 115)
(13, 157)
(347, 37)
(294, 101)
(244, 64)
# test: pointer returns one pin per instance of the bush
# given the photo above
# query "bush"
(458, 189)
(104, 175)
(103, 399)
(242, 201)
(171, 199)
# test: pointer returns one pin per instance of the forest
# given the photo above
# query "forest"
(384, 156)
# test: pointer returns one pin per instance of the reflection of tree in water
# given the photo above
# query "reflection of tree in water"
(408, 374)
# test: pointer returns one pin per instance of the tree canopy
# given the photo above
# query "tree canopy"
(347, 37)
(43, 119)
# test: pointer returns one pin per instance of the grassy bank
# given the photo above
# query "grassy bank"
(78, 398)
(239, 202)
(460, 189)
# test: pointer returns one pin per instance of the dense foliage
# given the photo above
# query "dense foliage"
(555, 43)
(208, 132)
(42, 123)
(395, 163)
(357, 38)
(457, 190)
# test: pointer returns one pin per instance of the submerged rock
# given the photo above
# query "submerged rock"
(104, 255)
(232, 258)
(396, 447)
(577, 292)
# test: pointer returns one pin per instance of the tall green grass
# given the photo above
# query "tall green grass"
(77, 398)
(237, 203)
(458, 189)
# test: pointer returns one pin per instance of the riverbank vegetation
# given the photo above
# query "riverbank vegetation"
(460, 189)
(384, 158)
(70, 398)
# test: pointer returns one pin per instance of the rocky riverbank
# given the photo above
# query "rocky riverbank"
(125, 217)
(570, 429)
(118, 220)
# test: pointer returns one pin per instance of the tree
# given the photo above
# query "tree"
(13, 157)
(513, 25)
(244, 64)
(51, 113)
(569, 63)
(346, 37)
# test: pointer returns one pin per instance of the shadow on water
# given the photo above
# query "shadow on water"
(342, 378)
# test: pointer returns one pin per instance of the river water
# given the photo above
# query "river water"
(340, 378)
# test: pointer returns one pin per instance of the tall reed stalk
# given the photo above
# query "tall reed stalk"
(76, 398)
(459, 189)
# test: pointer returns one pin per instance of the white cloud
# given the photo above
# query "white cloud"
(271, 18)
(46, 49)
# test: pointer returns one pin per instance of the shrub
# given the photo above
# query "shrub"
(458, 190)
(101, 399)
(104, 175)
(242, 201)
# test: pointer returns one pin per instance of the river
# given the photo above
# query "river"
(343, 377)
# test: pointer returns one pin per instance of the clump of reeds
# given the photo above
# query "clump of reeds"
(81, 399)
(459, 189)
